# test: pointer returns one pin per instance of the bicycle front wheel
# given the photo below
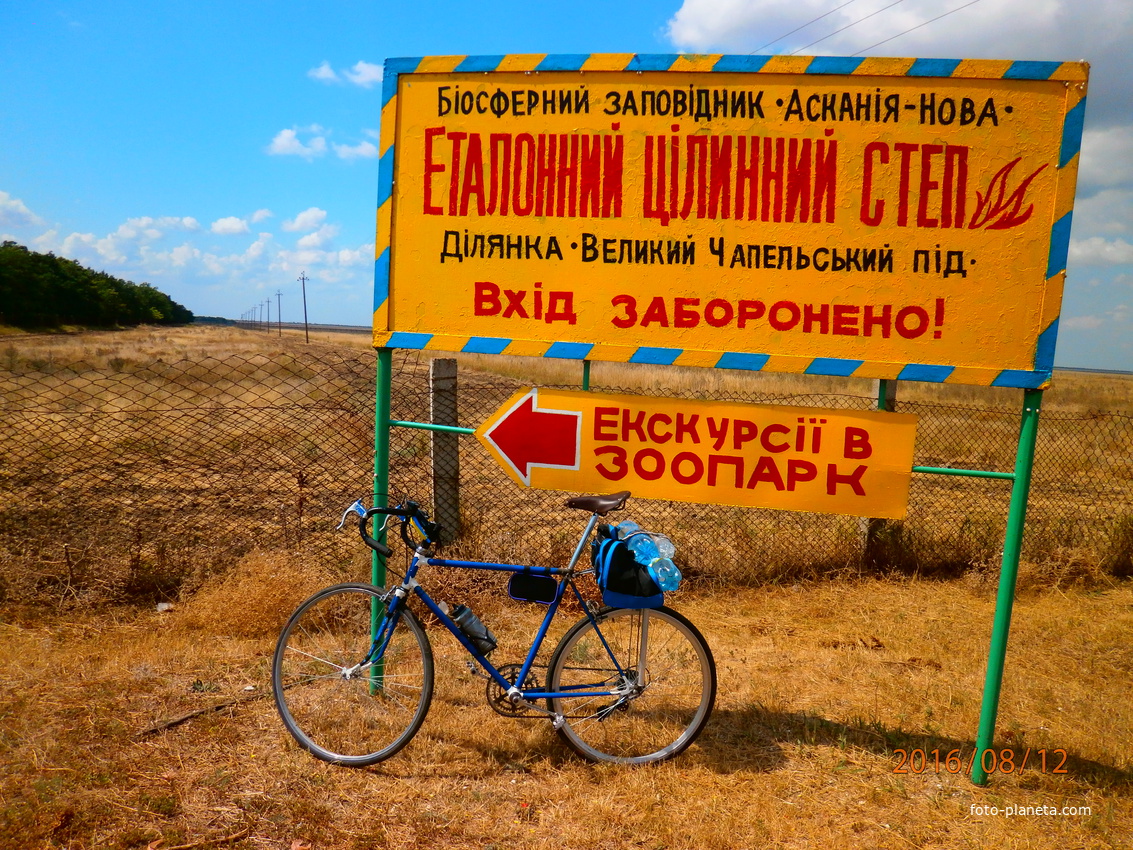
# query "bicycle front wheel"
(339, 709)
(664, 675)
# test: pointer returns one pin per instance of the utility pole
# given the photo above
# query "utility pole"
(278, 312)
(306, 330)
(267, 304)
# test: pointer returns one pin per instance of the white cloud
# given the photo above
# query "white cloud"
(362, 256)
(46, 241)
(136, 228)
(1106, 213)
(1081, 323)
(148, 227)
(306, 258)
(15, 213)
(260, 215)
(1002, 29)
(128, 250)
(323, 73)
(1098, 251)
(363, 150)
(230, 225)
(180, 256)
(309, 219)
(705, 24)
(319, 238)
(190, 259)
(1107, 159)
(259, 247)
(364, 74)
(288, 143)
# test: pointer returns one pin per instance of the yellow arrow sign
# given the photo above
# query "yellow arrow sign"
(709, 452)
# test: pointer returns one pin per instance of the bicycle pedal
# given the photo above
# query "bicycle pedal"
(475, 670)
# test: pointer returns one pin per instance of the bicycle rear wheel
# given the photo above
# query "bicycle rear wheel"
(667, 675)
(336, 710)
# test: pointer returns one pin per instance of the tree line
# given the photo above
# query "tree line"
(45, 291)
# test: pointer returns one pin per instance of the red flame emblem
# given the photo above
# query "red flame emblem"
(995, 209)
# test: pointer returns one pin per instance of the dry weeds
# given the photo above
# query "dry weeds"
(1070, 390)
(820, 686)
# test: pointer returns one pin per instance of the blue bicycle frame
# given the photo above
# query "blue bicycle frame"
(396, 602)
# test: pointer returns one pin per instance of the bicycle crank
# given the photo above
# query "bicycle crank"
(500, 700)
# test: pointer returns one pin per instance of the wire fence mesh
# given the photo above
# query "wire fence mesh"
(137, 477)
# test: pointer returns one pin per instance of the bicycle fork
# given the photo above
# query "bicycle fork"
(384, 617)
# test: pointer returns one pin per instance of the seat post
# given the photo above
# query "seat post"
(582, 541)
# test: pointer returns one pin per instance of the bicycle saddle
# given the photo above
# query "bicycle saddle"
(600, 505)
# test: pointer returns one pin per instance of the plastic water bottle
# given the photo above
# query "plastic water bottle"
(664, 546)
(473, 629)
(643, 548)
(666, 574)
(626, 528)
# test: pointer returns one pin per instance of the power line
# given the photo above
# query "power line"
(917, 27)
(847, 26)
(803, 27)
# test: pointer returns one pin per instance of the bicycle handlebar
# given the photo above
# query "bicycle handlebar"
(409, 512)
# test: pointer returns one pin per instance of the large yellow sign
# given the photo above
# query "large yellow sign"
(878, 218)
(794, 458)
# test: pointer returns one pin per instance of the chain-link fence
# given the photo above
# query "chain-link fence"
(1080, 520)
(131, 477)
(137, 477)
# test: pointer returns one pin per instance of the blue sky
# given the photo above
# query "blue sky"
(218, 149)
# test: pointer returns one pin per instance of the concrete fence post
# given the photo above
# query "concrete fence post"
(446, 447)
(876, 531)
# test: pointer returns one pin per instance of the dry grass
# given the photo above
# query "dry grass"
(821, 682)
(201, 416)
(137, 463)
(820, 685)
(1070, 391)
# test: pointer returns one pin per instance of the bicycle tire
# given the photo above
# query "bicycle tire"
(670, 703)
(362, 718)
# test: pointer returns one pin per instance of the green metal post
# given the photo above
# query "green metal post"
(1012, 546)
(381, 449)
(382, 389)
(886, 395)
(586, 375)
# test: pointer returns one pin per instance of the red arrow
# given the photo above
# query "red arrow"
(527, 436)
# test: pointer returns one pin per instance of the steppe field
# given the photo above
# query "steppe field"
(848, 702)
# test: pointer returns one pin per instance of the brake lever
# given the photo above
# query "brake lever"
(357, 508)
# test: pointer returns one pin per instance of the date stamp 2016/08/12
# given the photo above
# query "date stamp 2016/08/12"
(1004, 761)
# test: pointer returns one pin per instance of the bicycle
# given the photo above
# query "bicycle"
(352, 673)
